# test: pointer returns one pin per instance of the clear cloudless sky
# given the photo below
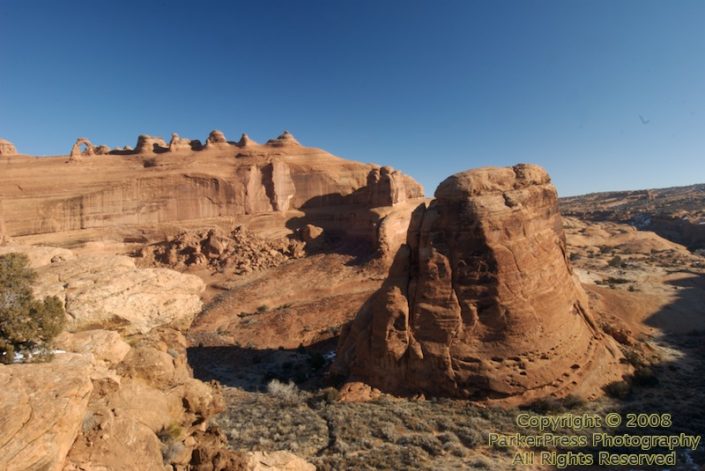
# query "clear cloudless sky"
(604, 94)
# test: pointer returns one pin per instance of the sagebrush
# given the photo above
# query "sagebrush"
(27, 325)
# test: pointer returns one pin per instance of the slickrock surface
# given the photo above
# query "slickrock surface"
(112, 291)
(41, 411)
(281, 183)
(481, 302)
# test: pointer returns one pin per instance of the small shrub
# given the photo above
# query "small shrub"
(331, 395)
(285, 391)
(645, 376)
(545, 405)
(170, 433)
(616, 262)
(172, 451)
(262, 308)
(27, 325)
(616, 281)
(633, 358)
(618, 389)
(572, 401)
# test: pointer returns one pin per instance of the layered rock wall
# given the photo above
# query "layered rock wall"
(160, 184)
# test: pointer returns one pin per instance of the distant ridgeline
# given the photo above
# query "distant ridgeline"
(676, 213)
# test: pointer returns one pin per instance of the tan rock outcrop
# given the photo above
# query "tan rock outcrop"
(246, 141)
(481, 302)
(283, 140)
(104, 345)
(150, 145)
(276, 461)
(102, 150)
(42, 407)
(387, 187)
(100, 291)
(216, 139)
(7, 148)
(178, 143)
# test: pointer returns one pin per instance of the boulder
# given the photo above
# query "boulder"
(276, 461)
(105, 345)
(310, 233)
(481, 301)
(111, 292)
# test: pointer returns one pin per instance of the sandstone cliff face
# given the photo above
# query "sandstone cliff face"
(481, 301)
(160, 184)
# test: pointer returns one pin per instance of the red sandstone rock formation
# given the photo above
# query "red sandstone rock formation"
(102, 150)
(284, 140)
(150, 144)
(178, 143)
(245, 141)
(481, 302)
(216, 139)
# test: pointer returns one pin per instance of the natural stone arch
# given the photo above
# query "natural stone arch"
(89, 148)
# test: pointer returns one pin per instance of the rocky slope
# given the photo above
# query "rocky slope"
(677, 214)
(481, 302)
(119, 393)
(125, 194)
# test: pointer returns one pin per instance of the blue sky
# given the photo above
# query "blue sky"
(604, 94)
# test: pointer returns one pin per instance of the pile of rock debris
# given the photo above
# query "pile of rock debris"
(238, 252)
